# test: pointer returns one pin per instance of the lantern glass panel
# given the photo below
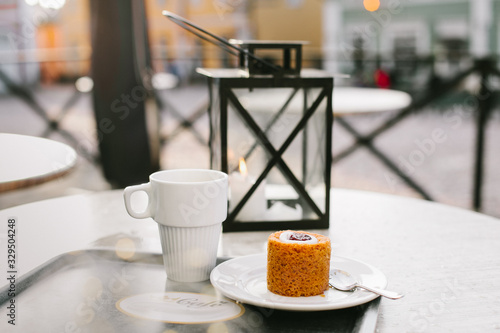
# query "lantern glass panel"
(294, 159)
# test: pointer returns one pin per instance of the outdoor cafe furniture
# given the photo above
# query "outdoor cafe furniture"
(29, 160)
(80, 259)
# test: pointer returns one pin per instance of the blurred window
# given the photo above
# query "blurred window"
(454, 49)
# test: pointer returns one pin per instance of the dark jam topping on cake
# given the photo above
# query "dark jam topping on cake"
(299, 237)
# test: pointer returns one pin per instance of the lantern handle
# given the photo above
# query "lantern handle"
(219, 41)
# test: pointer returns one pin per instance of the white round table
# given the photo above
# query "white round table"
(444, 259)
(346, 100)
(355, 100)
(29, 160)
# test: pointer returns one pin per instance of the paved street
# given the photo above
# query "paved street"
(434, 147)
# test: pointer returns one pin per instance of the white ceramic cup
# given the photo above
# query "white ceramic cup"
(189, 206)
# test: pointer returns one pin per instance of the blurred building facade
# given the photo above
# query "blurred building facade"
(236, 19)
(49, 40)
(58, 42)
(410, 38)
(178, 51)
(44, 41)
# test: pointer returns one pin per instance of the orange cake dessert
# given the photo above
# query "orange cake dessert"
(298, 263)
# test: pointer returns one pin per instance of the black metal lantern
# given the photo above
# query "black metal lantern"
(271, 131)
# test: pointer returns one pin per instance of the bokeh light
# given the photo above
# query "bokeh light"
(125, 248)
(84, 84)
(164, 81)
(371, 5)
(218, 328)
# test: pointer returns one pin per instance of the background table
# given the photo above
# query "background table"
(444, 259)
(347, 101)
(358, 100)
(353, 101)
(29, 160)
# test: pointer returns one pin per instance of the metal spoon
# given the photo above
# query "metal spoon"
(343, 281)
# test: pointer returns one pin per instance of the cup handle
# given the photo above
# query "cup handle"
(127, 194)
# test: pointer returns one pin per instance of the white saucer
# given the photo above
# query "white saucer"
(244, 279)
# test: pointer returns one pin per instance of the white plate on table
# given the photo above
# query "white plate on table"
(244, 279)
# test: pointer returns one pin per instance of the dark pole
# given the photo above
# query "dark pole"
(484, 100)
(122, 94)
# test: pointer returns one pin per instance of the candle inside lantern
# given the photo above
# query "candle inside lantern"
(240, 183)
(280, 211)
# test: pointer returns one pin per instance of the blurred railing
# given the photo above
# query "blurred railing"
(17, 82)
(483, 91)
(427, 79)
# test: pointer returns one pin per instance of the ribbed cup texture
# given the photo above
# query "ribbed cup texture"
(189, 254)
